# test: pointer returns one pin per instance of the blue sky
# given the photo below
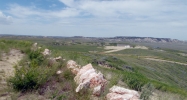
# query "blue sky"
(98, 18)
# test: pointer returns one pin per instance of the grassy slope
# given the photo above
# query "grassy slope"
(165, 76)
(166, 55)
(163, 73)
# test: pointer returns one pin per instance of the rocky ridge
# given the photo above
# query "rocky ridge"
(87, 77)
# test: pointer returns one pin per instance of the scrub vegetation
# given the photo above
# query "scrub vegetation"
(127, 68)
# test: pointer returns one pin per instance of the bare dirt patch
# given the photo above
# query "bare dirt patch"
(182, 54)
(119, 48)
(114, 48)
(8, 60)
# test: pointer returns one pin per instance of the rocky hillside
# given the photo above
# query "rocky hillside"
(58, 73)
(148, 39)
(113, 39)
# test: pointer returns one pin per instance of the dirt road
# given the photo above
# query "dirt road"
(160, 60)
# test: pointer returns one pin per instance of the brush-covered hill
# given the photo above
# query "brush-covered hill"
(157, 74)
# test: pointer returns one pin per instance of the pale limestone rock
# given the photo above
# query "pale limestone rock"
(58, 72)
(73, 66)
(35, 45)
(97, 90)
(119, 93)
(58, 58)
(46, 52)
(87, 77)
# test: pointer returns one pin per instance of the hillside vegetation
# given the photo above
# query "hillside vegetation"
(35, 75)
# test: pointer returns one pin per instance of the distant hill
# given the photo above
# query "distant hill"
(117, 38)
(148, 39)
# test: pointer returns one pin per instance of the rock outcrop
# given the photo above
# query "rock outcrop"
(87, 77)
(46, 52)
(73, 66)
(35, 45)
(119, 93)
(58, 58)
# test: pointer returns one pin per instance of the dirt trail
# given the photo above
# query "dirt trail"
(119, 48)
(6, 67)
(114, 49)
(9, 60)
(160, 60)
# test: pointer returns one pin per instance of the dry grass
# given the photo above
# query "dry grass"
(158, 95)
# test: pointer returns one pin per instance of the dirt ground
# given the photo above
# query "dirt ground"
(119, 48)
(7, 62)
(114, 49)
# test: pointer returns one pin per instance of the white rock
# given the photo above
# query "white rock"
(120, 93)
(59, 72)
(97, 90)
(73, 66)
(35, 44)
(58, 58)
(87, 77)
(46, 52)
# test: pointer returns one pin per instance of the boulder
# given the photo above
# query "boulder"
(58, 72)
(87, 77)
(73, 66)
(35, 45)
(58, 58)
(120, 93)
(46, 52)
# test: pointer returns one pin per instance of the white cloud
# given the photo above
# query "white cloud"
(53, 5)
(27, 12)
(103, 18)
(5, 19)
(121, 9)
(69, 3)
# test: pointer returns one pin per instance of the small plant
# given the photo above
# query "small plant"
(36, 58)
(134, 80)
(24, 79)
(147, 91)
(67, 74)
(28, 78)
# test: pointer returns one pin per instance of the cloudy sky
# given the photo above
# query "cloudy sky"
(98, 18)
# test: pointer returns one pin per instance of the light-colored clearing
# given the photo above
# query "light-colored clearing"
(9, 60)
(140, 47)
(114, 48)
(119, 48)
(6, 69)
(183, 54)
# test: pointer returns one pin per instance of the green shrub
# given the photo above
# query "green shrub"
(28, 78)
(68, 75)
(36, 58)
(25, 79)
(147, 91)
(134, 80)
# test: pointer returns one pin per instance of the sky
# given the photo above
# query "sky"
(95, 18)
